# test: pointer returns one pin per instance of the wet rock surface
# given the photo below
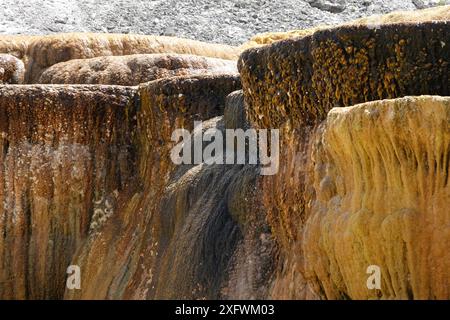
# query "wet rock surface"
(341, 67)
(65, 152)
(87, 179)
(270, 78)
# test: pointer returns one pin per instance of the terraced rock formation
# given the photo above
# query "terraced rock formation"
(41, 52)
(86, 176)
(131, 247)
(132, 70)
(382, 193)
(293, 84)
(306, 77)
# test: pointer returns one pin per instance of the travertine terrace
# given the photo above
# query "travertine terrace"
(86, 123)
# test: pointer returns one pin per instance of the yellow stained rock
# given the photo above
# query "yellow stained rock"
(381, 179)
(41, 52)
(134, 69)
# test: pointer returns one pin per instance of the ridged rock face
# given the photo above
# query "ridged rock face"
(15, 45)
(133, 69)
(49, 50)
(211, 233)
(41, 52)
(12, 70)
(381, 180)
(212, 228)
(66, 155)
(122, 259)
(86, 176)
(292, 85)
(306, 77)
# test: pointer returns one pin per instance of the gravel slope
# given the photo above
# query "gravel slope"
(222, 21)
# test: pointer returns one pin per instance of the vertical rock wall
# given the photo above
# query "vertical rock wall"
(86, 176)
(292, 85)
(66, 154)
(302, 79)
(381, 179)
(122, 259)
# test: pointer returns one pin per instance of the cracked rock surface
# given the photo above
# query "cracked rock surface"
(221, 21)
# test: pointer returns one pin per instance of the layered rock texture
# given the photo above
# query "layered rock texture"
(66, 153)
(382, 194)
(41, 52)
(133, 69)
(306, 77)
(12, 70)
(142, 231)
(292, 85)
(86, 176)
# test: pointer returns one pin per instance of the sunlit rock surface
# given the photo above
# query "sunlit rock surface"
(292, 85)
(86, 177)
(15, 45)
(381, 180)
(41, 52)
(438, 13)
(132, 70)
